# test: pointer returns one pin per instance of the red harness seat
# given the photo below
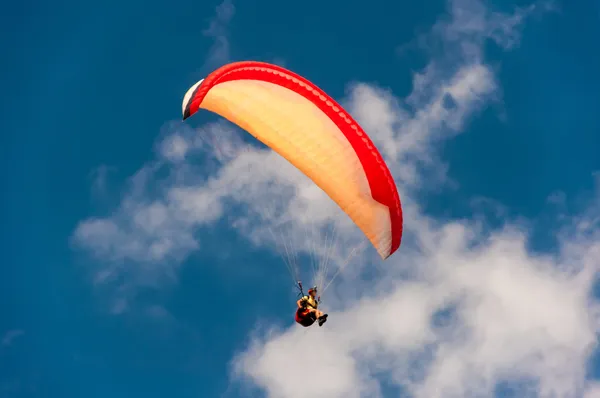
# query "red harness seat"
(304, 317)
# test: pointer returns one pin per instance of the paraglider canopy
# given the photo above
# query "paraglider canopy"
(312, 131)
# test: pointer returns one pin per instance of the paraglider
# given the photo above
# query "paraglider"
(308, 128)
(307, 312)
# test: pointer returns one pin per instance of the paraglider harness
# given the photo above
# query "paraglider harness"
(303, 316)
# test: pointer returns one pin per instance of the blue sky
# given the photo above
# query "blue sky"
(500, 194)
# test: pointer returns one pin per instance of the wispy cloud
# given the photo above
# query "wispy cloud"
(217, 30)
(460, 310)
(100, 181)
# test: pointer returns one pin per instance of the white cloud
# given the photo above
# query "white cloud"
(406, 138)
(457, 311)
(174, 148)
(593, 390)
(217, 30)
(511, 316)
